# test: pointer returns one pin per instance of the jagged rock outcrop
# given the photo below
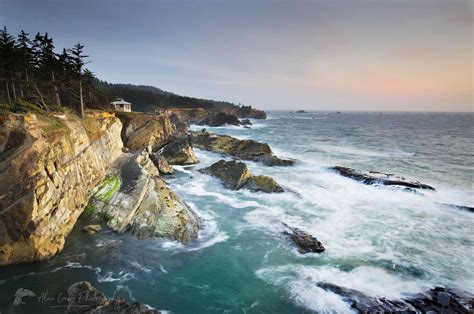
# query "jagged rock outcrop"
(49, 166)
(144, 130)
(373, 177)
(136, 199)
(200, 115)
(161, 163)
(436, 300)
(220, 119)
(242, 149)
(180, 151)
(84, 298)
(235, 175)
(305, 242)
(264, 184)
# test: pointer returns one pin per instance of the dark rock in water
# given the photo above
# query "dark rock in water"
(263, 184)
(220, 119)
(305, 242)
(161, 163)
(301, 111)
(92, 229)
(233, 174)
(84, 298)
(372, 177)
(243, 149)
(180, 151)
(437, 300)
(271, 161)
(462, 207)
(246, 122)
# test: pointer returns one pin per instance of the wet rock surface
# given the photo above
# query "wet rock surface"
(305, 242)
(84, 298)
(242, 149)
(263, 184)
(161, 163)
(220, 119)
(436, 300)
(235, 175)
(180, 151)
(92, 229)
(137, 200)
(372, 178)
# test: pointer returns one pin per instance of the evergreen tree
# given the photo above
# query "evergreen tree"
(77, 58)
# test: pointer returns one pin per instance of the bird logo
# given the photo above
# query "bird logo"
(21, 293)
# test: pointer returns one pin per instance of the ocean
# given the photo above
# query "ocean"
(382, 241)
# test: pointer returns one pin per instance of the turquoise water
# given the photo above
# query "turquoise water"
(380, 240)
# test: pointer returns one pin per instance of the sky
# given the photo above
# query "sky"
(368, 55)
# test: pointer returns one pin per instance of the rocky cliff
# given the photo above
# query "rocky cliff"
(49, 166)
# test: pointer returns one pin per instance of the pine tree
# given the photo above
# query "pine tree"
(7, 55)
(77, 58)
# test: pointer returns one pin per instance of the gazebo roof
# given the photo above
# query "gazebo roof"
(120, 101)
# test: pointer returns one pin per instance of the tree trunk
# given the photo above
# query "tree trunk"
(41, 97)
(80, 97)
(90, 96)
(26, 73)
(21, 91)
(13, 90)
(8, 92)
(56, 93)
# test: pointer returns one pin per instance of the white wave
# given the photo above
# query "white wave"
(163, 270)
(300, 281)
(110, 276)
(141, 267)
(183, 169)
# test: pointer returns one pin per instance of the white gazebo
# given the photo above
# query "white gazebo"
(121, 105)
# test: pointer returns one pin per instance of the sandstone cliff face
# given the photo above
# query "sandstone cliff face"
(48, 169)
(142, 130)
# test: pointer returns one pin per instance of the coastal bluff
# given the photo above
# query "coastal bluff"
(51, 166)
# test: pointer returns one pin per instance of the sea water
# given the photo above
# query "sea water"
(382, 241)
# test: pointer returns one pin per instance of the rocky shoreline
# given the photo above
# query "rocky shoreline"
(111, 169)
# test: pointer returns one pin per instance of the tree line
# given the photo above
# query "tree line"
(31, 70)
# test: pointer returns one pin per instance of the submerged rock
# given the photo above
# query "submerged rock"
(180, 151)
(84, 298)
(139, 201)
(305, 242)
(233, 174)
(92, 229)
(242, 149)
(160, 162)
(264, 184)
(372, 177)
(462, 207)
(436, 300)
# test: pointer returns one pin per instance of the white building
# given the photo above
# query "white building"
(121, 105)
